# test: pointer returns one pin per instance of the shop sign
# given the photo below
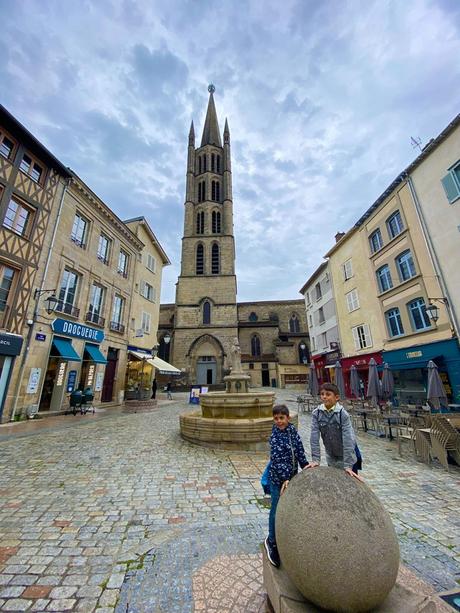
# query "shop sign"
(297, 378)
(40, 337)
(332, 357)
(34, 380)
(99, 381)
(413, 354)
(71, 380)
(10, 344)
(70, 328)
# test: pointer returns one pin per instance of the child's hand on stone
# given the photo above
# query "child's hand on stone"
(283, 487)
(311, 465)
(352, 474)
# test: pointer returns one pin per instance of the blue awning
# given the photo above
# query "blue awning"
(95, 353)
(62, 347)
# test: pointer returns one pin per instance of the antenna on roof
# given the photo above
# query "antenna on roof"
(416, 143)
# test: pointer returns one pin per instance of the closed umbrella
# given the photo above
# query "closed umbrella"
(354, 382)
(388, 385)
(373, 383)
(314, 385)
(338, 378)
(436, 393)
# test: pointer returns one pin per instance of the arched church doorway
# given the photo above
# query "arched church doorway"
(206, 370)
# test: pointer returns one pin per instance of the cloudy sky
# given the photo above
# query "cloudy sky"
(322, 98)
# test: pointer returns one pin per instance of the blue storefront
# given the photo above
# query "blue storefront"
(409, 367)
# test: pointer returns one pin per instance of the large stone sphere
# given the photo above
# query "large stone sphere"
(336, 541)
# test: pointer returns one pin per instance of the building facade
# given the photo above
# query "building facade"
(205, 319)
(32, 182)
(145, 309)
(322, 322)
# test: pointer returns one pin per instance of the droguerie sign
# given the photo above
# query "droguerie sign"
(70, 328)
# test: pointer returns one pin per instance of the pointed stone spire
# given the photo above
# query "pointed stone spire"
(211, 135)
(226, 133)
(191, 135)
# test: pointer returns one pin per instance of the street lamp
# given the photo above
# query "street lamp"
(51, 302)
(302, 349)
(432, 310)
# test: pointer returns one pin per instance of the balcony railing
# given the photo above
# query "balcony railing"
(79, 242)
(68, 308)
(95, 319)
(103, 258)
(115, 326)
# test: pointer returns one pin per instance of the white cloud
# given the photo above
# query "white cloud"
(321, 97)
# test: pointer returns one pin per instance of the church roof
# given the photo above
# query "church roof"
(211, 135)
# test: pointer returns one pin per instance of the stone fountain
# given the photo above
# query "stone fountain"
(235, 419)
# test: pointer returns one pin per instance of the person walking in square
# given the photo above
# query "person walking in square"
(168, 391)
(333, 423)
(154, 389)
(286, 453)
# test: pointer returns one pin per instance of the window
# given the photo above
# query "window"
(95, 304)
(362, 336)
(79, 230)
(200, 222)
(310, 321)
(199, 268)
(394, 323)
(117, 312)
(213, 162)
(215, 259)
(352, 300)
(321, 318)
(304, 358)
(123, 260)
(217, 163)
(18, 218)
(204, 160)
(418, 315)
(215, 191)
(395, 224)
(307, 298)
(294, 324)
(151, 263)
(68, 293)
(201, 191)
(145, 322)
(405, 265)
(451, 183)
(148, 291)
(216, 225)
(206, 312)
(384, 278)
(318, 291)
(6, 146)
(103, 249)
(31, 168)
(199, 164)
(6, 283)
(375, 240)
(347, 270)
(253, 316)
(255, 345)
(313, 343)
(324, 340)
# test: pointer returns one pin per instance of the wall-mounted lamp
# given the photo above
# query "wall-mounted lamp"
(167, 338)
(51, 302)
(432, 310)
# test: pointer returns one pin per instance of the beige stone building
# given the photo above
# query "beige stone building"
(145, 308)
(434, 179)
(90, 269)
(32, 182)
(205, 319)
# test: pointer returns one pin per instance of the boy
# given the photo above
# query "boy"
(334, 424)
(286, 453)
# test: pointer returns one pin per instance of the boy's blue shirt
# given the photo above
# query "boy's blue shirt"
(281, 468)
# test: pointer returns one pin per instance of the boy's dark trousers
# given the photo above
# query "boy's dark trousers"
(275, 491)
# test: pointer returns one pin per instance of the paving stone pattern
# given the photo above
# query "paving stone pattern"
(121, 510)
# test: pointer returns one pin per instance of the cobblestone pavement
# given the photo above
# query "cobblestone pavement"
(118, 513)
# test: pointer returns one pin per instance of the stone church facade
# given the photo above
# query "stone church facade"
(206, 317)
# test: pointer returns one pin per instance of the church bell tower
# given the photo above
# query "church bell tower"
(205, 321)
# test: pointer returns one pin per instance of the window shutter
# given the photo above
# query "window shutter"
(142, 288)
(154, 294)
(450, 187)
(349, 302)
(356, 338)
(367, 335)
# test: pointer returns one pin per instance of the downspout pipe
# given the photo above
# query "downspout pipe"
(433, 256)
(36, 307)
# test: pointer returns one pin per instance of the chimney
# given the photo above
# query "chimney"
(339, 236)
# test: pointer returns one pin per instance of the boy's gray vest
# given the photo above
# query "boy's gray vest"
(330, 426)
